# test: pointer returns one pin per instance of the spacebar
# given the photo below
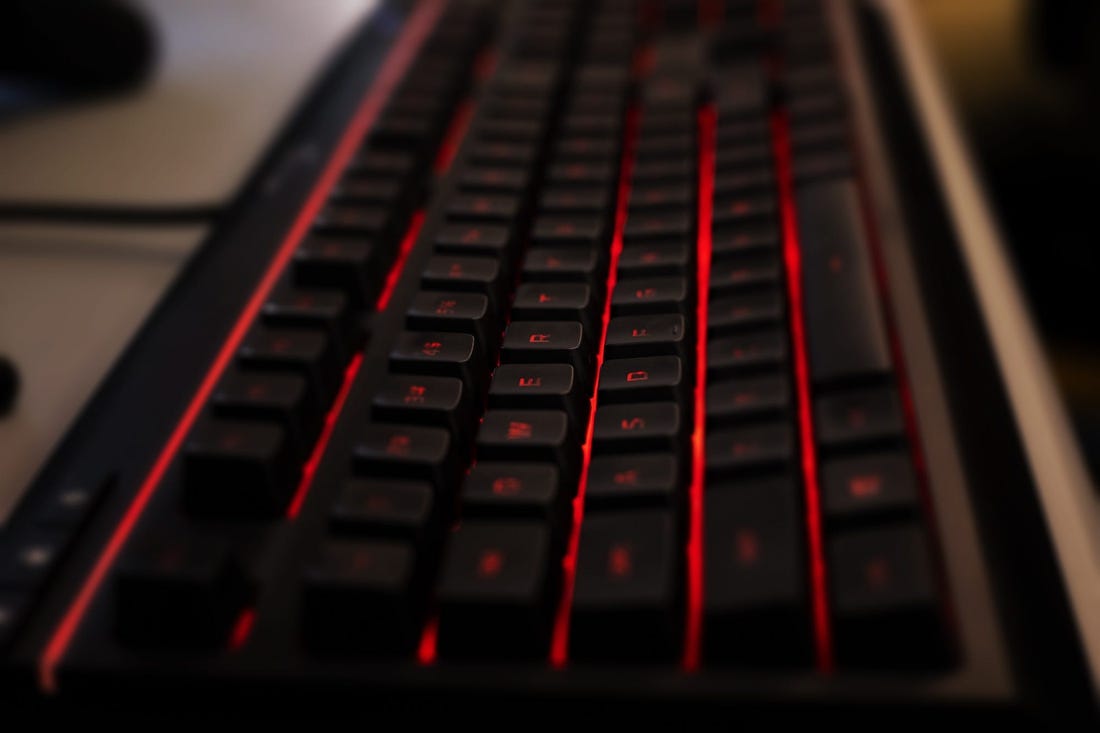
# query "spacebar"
(845, 333)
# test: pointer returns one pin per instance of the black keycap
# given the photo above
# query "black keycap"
(324, 310)
(496, 178)
(638, 428)
(530, 490)
(641, 296)
(358, 221)
(627, 586)
(362, 595)
(648, 226)
(360, 190)
(406, 451)
(634, 480)
(740, 274)
(638, 261)
(652, 172)
(179, 590)
(382, 164)
(466, 274)
(338, 262)
(756, 238)
(236, 468)
(462, 312)
(856, 417)
(475, 239)
(736, 312)
(844, 328)
(649, 335)
(495, 590)
(502, 152)
(530, 435)
(539, 342)
(886, 611)
(736, 131)
(755, 580)
(768, 446)
(587, 148)
(740, 90)
(580, 173)
(554, 302)
(436, 353)
(742, 181)
(282, 398)
(675, 145)
(509, 130)
(69, 506)
(571, 231)
(483, 207)
(384, 508)
(540, 386)
(299, 351)
(585, 201)
(643, 379)
(738, 156)
(740, 400)
(423, 400)
(868, 487)
(745, 353)
(562, 264)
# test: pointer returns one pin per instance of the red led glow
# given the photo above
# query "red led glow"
(792, 257)
(559, 643)
(318, 453)
(426, 652)
(693, 628)
(448, 149)
(389, 74)
(407, 243)
(242, 627)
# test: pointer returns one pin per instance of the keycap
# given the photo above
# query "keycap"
(529, 435)
(651, 225)
(627, 586)
(868, 487)
(346, 264)
(178, 589)
(282, 398)
(237, 468)
(748, 352)
(554, 302)
(306, 352)
(580, 173)
(323, 310)
(753, 238)
(353, 220)
(474, 239)
(482, 275)
(733, 156)
(845, 332)
(586, 147)
(737, 312)
(503, 152)
(626, 481)
(641, 296)
(662, 147)
(590, 201)
(361, 595)
(540, 342)
(395, 508)
(483, 207)
(545, 386)
(755, 581)
(499, 178)
(656, 258)
(373, 162)
(495, 590)
(643, 379)
(647, 335)
(638, 428)
(739, 400)
(744, 273)
(746, 180)
(423, 400)
(516, 490)
(406, 451)
(855, 417)
(445, 311)
(886, 611)
(562, 264)
(767, 446)
(435, 353)
(571, 231)
(355, 189)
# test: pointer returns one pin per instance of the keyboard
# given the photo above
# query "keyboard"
(572, 370)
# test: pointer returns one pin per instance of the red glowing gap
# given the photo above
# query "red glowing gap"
(793, 259)
(393, 68)
(425, 653)
(398, 266)
(693, 630)
(559, 644)
(448, 149)
(242, 627)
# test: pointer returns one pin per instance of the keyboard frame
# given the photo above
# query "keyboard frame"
(154, 379)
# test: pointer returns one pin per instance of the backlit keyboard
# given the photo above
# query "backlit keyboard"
(578, 357)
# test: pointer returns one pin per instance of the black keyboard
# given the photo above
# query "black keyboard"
(572, 371)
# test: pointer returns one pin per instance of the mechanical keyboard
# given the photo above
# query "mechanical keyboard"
(572, 370)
